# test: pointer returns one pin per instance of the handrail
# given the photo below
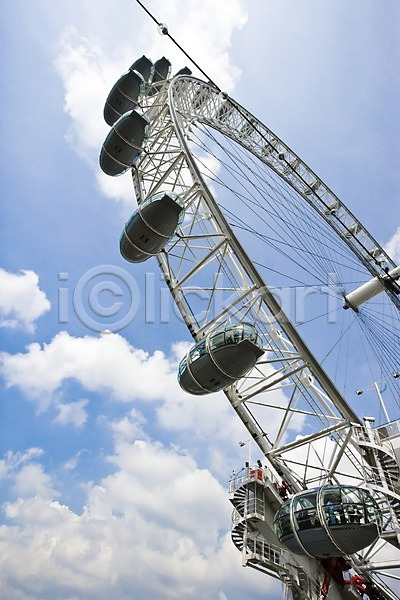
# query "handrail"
(391, 481)
(380, 434)
(389, 430)
(269, 552)
(250, 507)
(249, 474)
(277, 559)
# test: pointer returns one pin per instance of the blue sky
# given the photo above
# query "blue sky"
(113, 480)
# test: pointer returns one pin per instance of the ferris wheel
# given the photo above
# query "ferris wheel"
(255, 250)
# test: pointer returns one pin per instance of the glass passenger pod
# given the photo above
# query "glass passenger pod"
(161, 70)
(123, 145)
(124, 94)
(152, 226)
(331, 521)
(142, 65)
(220, 359)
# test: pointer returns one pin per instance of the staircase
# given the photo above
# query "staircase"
(248, 493)
(390, 467)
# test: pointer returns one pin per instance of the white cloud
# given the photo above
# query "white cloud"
(88, 76)
(72, 463)
(32, 480)
(85, 72)
(155, 528)
(27, 474)
(88, 71)
(393, 246)
(73, 413)
(118, 189)
(129, 427)
(13, 460)
(111, 366)
(205, 32)
(21, 300)
(102, 364)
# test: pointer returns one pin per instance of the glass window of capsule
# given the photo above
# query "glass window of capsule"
(198, 350)
(349, 505)
(305, 511)
(234, 334)
(182, 367)
(231, 334)
(282, 524)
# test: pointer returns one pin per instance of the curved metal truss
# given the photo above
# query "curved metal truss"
(294, 412)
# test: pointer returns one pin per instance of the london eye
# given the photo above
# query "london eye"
(293, 308)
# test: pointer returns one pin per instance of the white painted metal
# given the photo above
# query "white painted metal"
(213, 283)
(372, 288)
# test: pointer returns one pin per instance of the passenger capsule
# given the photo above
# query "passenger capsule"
(123, 145)
(142, 65)
(160, 72)
(124, 94)
(220, 359)
(330, 521)
(151, 226)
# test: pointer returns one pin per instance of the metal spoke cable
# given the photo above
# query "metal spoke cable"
(381, 353)
(287, 191)
(385, 335)
(272, 243)
(392, 331)
(324, 314)
(388, 362)
(267, 193)
(309, 235)
(339, 347)
(346, 366)
(284, 197)
(337, 342)
(384, 338)
(239, 196)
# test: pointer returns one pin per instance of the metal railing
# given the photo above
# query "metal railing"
(389, 430)
(251, 507)
(278, 560)
(248, 474)
(391, 481)
(364, 435)
(273, 555)
(379, 434)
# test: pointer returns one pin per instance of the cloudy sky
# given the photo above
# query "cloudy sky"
(113, 480)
